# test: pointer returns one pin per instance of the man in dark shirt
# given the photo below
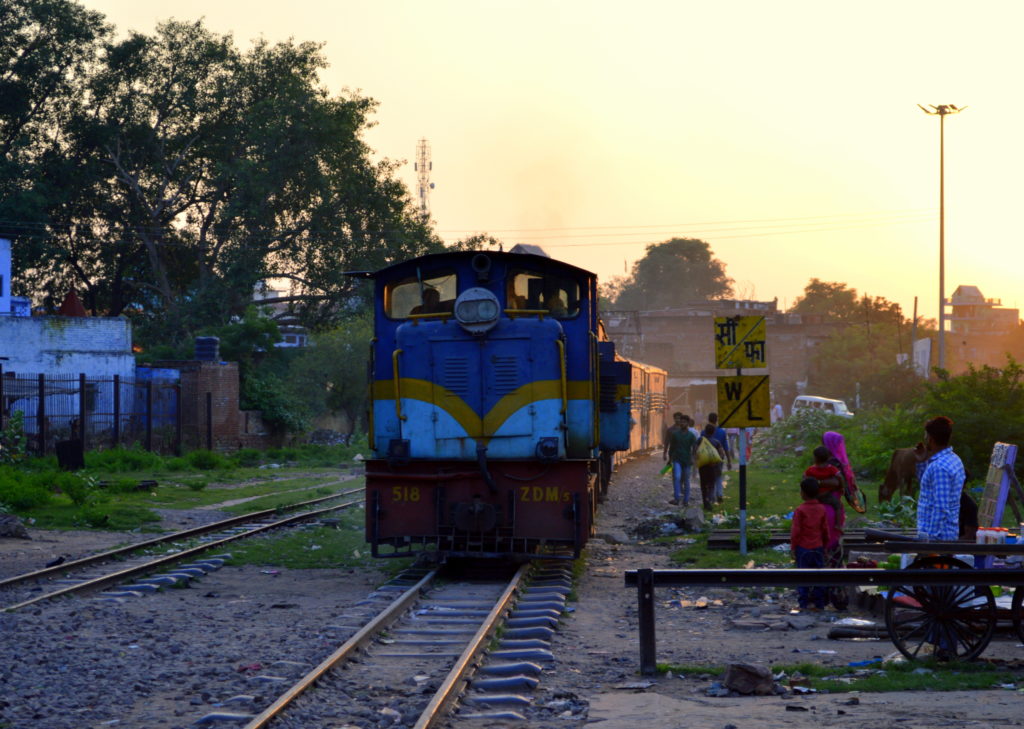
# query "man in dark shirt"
(677, 448)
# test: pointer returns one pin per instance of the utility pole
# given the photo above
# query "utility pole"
(942, 111)
(423, 166)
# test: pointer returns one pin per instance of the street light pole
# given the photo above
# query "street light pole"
(941, 111)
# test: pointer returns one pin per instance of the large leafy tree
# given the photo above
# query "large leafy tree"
(330, 377)
(986, 405)
(201, 170)
(835, 301)
(670, 274)
(860, 356)
(46, 47)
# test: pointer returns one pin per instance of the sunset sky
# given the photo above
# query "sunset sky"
(786, 134)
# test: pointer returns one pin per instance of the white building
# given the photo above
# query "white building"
(64, 345)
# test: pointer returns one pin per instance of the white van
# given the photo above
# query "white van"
(813, 402)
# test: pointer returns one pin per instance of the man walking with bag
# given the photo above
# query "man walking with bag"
(708, 453)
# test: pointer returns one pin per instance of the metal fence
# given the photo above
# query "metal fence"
(101, 412)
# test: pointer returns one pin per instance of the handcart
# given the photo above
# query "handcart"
(950, 621)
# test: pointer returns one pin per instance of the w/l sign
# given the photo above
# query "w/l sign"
(744, 401)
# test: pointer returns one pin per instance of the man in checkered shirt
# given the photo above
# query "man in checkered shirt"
(941, 475)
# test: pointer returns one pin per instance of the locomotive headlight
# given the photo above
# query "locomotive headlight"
(476, 310)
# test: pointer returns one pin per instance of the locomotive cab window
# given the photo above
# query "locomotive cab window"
(431, 293)
(560, 295)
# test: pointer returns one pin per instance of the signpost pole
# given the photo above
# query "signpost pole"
(742, 440)
(743, 490)
(742, 401)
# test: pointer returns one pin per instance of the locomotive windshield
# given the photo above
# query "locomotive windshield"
(531, 290)
(429, 293)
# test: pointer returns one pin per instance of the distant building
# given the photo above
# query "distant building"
(52, 345)
(981, 331)
(972, 313)
(293, 334)
(681, 341)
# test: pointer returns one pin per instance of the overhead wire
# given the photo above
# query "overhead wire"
(728, 229)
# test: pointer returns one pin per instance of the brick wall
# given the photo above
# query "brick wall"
(221, 429)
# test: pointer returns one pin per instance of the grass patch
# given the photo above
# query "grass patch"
(698, 556)
(902, 676)
(316, 548)
(106, 515)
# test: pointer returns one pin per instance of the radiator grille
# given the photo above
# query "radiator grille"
(506, 374)
(456, 376)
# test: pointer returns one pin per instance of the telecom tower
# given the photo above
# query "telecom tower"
(423, 165)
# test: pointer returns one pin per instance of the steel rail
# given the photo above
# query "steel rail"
(388, 616)
(453, 685)
(164, 539)
(115, 577)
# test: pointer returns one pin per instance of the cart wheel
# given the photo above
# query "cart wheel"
(948, 622)
(1018, 624)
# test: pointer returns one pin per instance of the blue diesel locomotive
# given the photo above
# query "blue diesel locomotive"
(496, 405)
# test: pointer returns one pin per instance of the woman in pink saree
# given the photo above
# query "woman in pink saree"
(837, 447)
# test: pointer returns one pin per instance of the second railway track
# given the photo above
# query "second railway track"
(132, 562)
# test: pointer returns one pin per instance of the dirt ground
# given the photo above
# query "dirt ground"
(597, 648)
(600, 642)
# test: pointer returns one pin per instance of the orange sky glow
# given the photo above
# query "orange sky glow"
(786, 134)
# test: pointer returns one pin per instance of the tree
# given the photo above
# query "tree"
(330, 376)
(45, 48)
(672, 273)
(834, 301)
(477, 242)
(202, 170)
(860, 356)
(986, 405)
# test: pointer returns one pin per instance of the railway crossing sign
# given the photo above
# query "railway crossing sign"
(740, 342)
(744, 401)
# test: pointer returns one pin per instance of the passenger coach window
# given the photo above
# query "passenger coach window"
(557, 294)
(432, 293)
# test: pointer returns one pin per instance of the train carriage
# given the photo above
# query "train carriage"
(493, 397)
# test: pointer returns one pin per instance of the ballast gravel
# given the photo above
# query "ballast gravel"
(171, 658)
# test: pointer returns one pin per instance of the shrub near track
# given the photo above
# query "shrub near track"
(106, 494)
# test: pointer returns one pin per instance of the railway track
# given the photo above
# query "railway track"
(135, 564)
(420, 646)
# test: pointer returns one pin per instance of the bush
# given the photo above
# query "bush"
(80, 490)
(120, 460)
(94, 516)
(986, 405)
(879, 433)
(12, 439)
(248, 457)
(900, 511)
(21, 491)
(206, 460)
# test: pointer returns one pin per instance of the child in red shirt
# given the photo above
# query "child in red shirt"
(830, 488)
(807, 540)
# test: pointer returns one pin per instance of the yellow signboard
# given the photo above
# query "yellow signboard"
(744, 401)
(740, 342)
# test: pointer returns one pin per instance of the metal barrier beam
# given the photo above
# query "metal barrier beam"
(827, 577)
